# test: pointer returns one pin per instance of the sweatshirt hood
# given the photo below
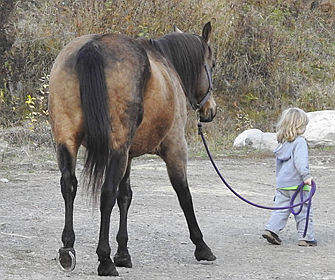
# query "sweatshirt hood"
(284, 151)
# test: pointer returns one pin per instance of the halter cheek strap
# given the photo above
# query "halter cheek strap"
(199, 105)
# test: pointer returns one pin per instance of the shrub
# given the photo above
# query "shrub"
(269, 54)
(275, 54)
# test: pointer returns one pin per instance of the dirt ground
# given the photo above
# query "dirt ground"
(31, 221)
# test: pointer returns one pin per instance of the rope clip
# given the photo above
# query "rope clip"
(199, 128)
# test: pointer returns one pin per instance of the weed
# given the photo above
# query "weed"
(269, 54)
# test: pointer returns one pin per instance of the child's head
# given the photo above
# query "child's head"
(291, 124)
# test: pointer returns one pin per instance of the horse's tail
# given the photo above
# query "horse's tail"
(94, 102)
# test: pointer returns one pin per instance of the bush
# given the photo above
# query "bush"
(275, 54)
(269, 54)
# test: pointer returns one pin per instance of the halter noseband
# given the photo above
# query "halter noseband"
(199, 105)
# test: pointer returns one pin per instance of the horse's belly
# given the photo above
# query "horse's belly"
(149, 136)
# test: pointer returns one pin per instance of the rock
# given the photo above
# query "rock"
(256, 139)
(320, 132)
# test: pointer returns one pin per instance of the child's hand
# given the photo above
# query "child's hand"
(308, 181)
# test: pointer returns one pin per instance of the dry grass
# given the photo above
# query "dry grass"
(269, 54)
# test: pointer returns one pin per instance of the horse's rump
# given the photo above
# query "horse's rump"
(110, 73)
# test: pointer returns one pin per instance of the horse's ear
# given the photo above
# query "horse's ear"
(206, 31)
(176, 29)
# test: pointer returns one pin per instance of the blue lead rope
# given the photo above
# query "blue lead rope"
(296, 193)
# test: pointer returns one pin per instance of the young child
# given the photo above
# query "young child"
(291, 170)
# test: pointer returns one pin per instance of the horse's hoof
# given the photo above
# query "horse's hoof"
(123, 260)
(107, 268)
(66, 259)
(204, 255)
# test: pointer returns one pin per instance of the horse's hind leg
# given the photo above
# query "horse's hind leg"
(175, 156)
(122, 257)
(114, 175)
(66, 255)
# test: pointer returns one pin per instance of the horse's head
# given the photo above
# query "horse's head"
(200, 93)
(192, 58)
(205, 101)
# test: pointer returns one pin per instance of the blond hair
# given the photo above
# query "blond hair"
(291, 124)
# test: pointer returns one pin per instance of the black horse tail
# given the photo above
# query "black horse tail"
(90, 69)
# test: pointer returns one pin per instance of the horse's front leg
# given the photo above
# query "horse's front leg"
(114, 175)
(175, 157)
(66, 255)
(122, 257)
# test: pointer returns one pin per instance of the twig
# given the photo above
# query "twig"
(18, 235)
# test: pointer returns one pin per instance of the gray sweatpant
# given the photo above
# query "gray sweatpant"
(279, 218)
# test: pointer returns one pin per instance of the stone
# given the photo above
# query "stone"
(256, 139)
(320, 132)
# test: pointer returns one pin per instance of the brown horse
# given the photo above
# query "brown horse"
(121, 98)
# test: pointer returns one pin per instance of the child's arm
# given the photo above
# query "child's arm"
(301, 160)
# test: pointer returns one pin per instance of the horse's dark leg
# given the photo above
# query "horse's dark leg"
(122, 257)
(114, 175)
(66, 255)
(175, 157)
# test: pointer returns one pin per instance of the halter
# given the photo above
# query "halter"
(199, 105)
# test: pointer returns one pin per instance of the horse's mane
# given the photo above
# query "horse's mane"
(185, 51)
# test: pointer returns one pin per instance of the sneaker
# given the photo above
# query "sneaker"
(271, 237)
(307, 243)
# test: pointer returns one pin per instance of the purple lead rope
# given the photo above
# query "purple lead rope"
(291, 206)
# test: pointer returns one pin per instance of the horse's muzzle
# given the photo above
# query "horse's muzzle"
(209, 115)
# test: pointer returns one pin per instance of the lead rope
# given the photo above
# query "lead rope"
(291, 206)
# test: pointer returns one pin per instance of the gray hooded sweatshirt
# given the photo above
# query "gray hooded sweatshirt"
(292, 163)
